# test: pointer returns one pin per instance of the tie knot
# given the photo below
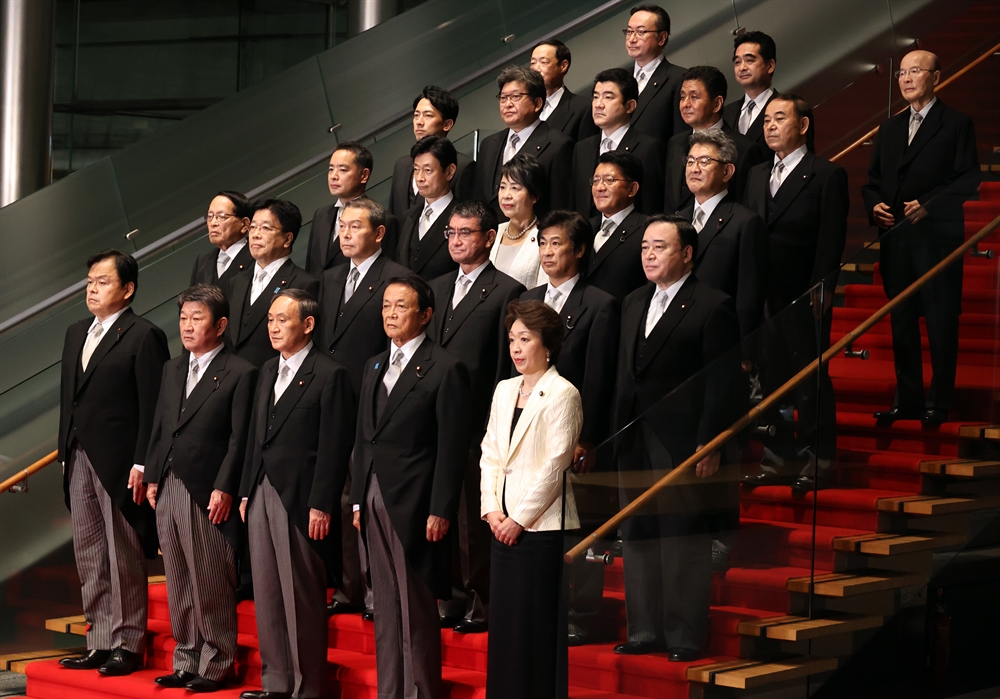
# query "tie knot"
(514, 140)
(608, 226)
(261, 275)
(397, 358)
(779, 167)
(428, 211)
(353, 276)
(917, 117)
(283, 372)
(608, 144)
(97, 330)
(193, 365)
(750, 106)
(223, 256)
(464, 280)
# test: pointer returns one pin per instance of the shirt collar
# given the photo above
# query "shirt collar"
(272, 268)
(409, 349)
(927, 108)
(366, 265)
(619, 217)
(294, 363)
(709, 206)
(524, 134)
(440, 205)
(474, 274)
(713, 127)
(674, 288)
(565, 288)
(108, 322)
(617, 136)
(204, 360)
(553, 99)
(760, 100)
(649, 68)
(233, 250)
(792, 159)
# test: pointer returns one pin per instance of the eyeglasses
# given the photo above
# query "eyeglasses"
(915, 72)
(638, 33)
(607, 180)
(221, 218)
(702, 161)
(513, 97)
(461, 233)
(264, 228)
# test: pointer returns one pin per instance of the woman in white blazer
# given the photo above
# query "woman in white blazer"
(531, 436)
(515, 253)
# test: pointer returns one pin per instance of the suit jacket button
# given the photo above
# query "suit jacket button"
(75, 403)
(266, 446)
(451, 317)
(270, 427)
(332, 351)
(170, 458)
(341, 314)
(176, 433)
(373, 443)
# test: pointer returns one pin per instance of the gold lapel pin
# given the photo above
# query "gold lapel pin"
(303, 383)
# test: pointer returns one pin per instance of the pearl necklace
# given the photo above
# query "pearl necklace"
(521, 234)
(520, 391)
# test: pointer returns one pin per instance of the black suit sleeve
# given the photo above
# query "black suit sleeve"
(561, 178)
(228, 478)
(464, 184)
(194, 271)
(963, 180)
(720, 368)
(834, 203)
(452, 408)
(335, 442)
(149, 360)
(871, 193)
(653, 178)
(598, 394)
(751, 287)
(253, 444)
(390, 241)
(151, 473)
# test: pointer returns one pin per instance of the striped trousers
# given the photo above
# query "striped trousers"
(201, 583)
(110, 561)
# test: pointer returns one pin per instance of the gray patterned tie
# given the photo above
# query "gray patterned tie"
(93, 340)
(393, 372)
(352, 284)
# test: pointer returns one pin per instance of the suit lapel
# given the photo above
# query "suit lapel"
(258, 310)
(433, 239)
(209, 382)
(241, 262)
(531, 410)
(415, 369)
(561, 114)
(930, 126)
(290, 398)
(631, 323)
(618, 237)
(675, 312)
(478, 292)
(713, 226)
(794, 182)
(653, 85)
(573, 309)
(107, 343)
(368, 287)
(240, 301)
(332, 247)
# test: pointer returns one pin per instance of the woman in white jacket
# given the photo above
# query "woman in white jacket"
(532, 432)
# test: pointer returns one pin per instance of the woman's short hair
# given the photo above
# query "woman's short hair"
(538, 318)
(525, 170)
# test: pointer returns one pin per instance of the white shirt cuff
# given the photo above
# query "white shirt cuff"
(139, 467)
(356, 508)
(245, 499)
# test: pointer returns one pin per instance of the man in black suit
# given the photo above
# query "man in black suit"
(563, 110)
(297, 459)
(754, 55)
(923, 167)
(677, 337)
(522, 95)
(193, 469)
(347, 177)
(804, 201)
(470, 325)
(111, 368)
(435, 111)
(422, 247)
(591, 319)
(409, 460)
(732, 240)
(350, 331)
(703, 93)
(615, 95)
(659, 81)
(275, 226)
(613, 263)
(228, 220)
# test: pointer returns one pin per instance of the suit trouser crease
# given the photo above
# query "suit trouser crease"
(407, 632)
(289, 581)
(110, 562)
(201, 583)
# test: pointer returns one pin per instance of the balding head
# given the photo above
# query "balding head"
(919, 72)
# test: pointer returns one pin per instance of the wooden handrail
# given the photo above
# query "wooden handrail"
(24, 473)
(633, 507)
(944, 84)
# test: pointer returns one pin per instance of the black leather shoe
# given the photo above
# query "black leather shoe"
(91, 660)
(720, 560)
(752, 480)
(368, 614)
(176, 680)
(934, 416)
(806, 484)
(448, 622)
(893, 414)
(244, 592)
(337, 607)
(469, 626)
(201, 685)
(683, 655)
(258, 694)
(122, 662)
(577, 637)
(639, 648)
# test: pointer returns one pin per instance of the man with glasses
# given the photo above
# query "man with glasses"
(472, 302)
(347, 177)
(563, 110)
(923, 167)
(614, 100)
(521, 98)
(435, 111)
(275, 225)
(703, 93)
(659, 81)
(228, 220)
(613, 263)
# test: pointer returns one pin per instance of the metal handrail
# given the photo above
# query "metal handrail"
(645, 498)
(187, 230)
(944, 83)
(24, 473)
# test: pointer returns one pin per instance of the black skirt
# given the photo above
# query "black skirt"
(525, 658)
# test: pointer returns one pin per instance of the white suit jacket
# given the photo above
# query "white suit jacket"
(533, 459)
(527, 267)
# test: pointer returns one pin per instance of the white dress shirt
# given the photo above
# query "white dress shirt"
(760, 101)
(656, 310)
(260, 282)
(462, 290)
(436, 208)
(551, 102)
(362, 271)
(647, 70)
(601, 238)
(789, 163)
(294, 363)
(615, 138)
(202, 363)
(554, 302)
(522, 136)
(708, 208)
(913, 129)
(226, 257)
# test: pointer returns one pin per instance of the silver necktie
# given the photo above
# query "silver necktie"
(393, 372)
(352, 284)
(604, 234)
(552, 299)
(258, 285)
(747, 117)
(699, 220)
(511, 150)
(606, 145)
(222, 263)
(192, 378)
(776, 177)
(282, 382)
(656, 308)
(425, 222)
(93, 340)
(915, 120)
(462, 285)
(641, 79)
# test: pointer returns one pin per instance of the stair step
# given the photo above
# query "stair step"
(936, 505)
(798, 628)
(961, 468)
(750, 674)
(981, 432)
(877, 544)
(76, 625)
(16, 662)
(851, 584)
